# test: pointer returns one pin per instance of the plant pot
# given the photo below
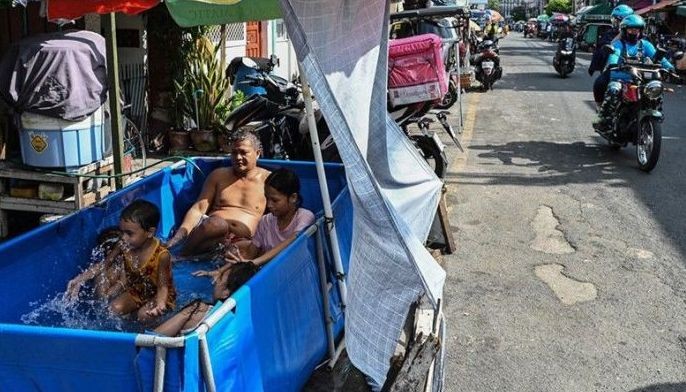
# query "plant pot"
(204, 140)
(224, 142)
(179, 140)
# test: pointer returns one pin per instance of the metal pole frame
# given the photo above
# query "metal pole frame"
(326, 199)
(110, 27)
(325, 298)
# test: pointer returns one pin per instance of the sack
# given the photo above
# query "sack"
(416, 72)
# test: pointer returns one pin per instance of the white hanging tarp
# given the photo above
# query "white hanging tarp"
(343, 47)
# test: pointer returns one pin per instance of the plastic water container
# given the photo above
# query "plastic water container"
(53, 142)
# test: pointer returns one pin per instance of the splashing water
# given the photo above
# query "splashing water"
(90, 312)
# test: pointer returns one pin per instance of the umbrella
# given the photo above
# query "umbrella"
(73, 9)
(542, 18)
(493, 15)
(559, 17)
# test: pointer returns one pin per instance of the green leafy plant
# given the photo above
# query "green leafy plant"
(203, 91)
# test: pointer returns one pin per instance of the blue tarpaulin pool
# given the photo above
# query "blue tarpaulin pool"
(272, 340)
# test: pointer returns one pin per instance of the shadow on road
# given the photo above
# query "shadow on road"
(678, 387)
(559, 164)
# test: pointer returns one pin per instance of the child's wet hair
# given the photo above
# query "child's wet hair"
(108, 238)
(285, 181)
(240, 273)
(142, 212)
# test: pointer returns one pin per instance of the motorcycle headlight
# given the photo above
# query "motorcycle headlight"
(653, 89)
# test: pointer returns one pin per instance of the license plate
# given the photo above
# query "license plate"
(648, 75)
(487, 64)
(438, 142)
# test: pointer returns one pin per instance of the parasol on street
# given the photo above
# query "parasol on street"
(493, 15)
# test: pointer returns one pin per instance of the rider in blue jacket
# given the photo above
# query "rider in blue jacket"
(629, 46)
(599, 59)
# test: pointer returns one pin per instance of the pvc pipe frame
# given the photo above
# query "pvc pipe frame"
(161, 343)
(326, 199)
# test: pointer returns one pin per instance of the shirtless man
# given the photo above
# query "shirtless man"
(231, 203)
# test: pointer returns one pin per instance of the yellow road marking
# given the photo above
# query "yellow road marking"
(467, 132)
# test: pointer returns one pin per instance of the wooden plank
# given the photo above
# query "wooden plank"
(36, 176)
(36, 205)
(445, 225)
(414, 372)
(91, 198)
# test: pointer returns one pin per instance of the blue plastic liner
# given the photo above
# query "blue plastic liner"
(271, 341)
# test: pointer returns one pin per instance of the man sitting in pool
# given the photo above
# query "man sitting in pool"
(231, 202)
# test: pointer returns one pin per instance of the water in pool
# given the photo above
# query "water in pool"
(88, 312)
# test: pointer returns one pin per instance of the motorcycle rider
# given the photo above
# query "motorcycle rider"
(599, 59)
(630, 45)
(491, 30)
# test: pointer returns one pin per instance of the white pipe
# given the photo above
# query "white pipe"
(143, 340)
(325, 297)
(326, 200)
(206, 365)
(160, 364)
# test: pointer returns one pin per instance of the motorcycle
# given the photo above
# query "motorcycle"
(638, 119)
(565, 57)
(276, 112)
(487, 64)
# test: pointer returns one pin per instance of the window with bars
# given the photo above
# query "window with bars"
(234, 32)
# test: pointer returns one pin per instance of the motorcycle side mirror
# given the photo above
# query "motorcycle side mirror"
(250, 63)
(608, 49)
(678, 55)
(660, 53)
(274, 61)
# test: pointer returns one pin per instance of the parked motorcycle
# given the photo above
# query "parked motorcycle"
(565, 57)
(639, 117)
(277, 114)
(487, 64)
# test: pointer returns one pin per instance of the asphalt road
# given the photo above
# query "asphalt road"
(570, 273)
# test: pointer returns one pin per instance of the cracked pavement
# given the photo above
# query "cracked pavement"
(531, 147)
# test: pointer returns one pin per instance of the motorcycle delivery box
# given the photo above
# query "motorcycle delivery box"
(416, 72)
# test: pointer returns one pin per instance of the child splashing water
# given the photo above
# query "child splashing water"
(144, 284)
(275, 231)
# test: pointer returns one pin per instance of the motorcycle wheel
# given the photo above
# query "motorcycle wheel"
(431, 153)
(450, 97)
(648, 143)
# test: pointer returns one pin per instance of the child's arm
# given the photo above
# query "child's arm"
(271, 253)
(250, 251)
(163, 279)
(74, 285)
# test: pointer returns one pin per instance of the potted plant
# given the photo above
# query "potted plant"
(178, 135)
(223, 132)
(203, 93)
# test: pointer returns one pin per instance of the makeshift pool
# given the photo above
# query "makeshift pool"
(271, 339)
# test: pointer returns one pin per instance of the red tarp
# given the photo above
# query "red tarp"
(72, 9)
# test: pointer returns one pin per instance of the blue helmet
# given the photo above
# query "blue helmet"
(622, 11)
(632, 22)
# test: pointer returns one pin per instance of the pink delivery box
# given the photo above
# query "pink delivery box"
(415, 70)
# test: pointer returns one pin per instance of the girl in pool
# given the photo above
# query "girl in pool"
(275, 231)
(146, 285)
